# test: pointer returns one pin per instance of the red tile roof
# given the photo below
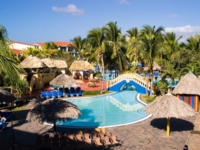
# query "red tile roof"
(57, 43)
(17, 51)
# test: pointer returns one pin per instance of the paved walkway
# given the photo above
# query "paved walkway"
(145, 135)
(193, 141)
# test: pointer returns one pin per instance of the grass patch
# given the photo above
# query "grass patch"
(94, 93)
(147, 99)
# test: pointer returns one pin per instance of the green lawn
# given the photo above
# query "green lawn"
(94, 93)
(147, 99)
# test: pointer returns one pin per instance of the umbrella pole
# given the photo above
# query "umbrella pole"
(168, 126)
(54, 127)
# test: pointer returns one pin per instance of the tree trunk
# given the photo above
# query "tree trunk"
(102, 73)
(54, 127)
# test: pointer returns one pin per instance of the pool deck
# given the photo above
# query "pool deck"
(146, 135)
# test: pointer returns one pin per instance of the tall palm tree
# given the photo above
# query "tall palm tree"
(132, 46)
(78, 44)
(150, 38)
(8, 65)
(116, 41)
(98, 46)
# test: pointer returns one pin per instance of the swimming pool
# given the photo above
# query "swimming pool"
(115, 109)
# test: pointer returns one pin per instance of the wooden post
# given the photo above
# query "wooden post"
(168, 126)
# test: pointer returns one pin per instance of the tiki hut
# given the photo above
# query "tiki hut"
(188, 90)
(51, 111)
(80, 69)
(60, 64)
(48, 62)
(169, 106)
(32, 62)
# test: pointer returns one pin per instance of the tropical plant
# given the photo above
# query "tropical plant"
(8, 64)
(116, 42)
(98, 47)
(151, 40)
(162, 86)
(78, 45)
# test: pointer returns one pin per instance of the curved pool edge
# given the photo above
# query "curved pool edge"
(84, 127)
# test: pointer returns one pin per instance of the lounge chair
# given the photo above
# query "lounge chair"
(115, 141)
(79, 91)
(55, 142)
(39, 142)
(43, 95)
(55, 93)
(49, 94)
(67, 92)
(89, 143)
(97, 142)
(60, 93)
(73, 92)
(7, 115)
(106, 141)
(2, 126)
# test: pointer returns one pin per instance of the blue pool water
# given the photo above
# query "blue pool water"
(109, 110)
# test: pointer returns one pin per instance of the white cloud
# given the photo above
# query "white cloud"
(71, 8)
(173, 16)
(123, 2)
(184, 31)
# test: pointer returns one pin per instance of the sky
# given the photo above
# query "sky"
(32, 21)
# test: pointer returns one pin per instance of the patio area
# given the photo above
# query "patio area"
(146, 135)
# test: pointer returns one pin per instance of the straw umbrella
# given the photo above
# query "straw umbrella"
(32, 62)
(169, 106)
(6, 96)
(63, 80)
(53, 110)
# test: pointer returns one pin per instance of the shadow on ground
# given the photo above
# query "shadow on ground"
(175, 124)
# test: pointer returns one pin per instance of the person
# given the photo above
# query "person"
(2, 119)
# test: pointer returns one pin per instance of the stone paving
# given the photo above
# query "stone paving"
(193, 141)
(146, 135)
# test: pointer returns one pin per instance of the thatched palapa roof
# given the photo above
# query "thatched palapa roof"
(63, 80)
(80, 65)
(52, 110)
(6, 97)
(169, 106)
(60, 63)
(48, 62)
(189, 84)
(32, 62)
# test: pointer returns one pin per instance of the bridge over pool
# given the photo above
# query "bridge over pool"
(129, 80)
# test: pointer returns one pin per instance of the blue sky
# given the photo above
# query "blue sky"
(32, 21)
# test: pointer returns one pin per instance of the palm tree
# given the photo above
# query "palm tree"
(193, 67)
(8, 65)
(78, 44)
(115, 40)
(132, 46)
(98, 46)
(151, 39)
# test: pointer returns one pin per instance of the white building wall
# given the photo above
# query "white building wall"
(20, 46)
